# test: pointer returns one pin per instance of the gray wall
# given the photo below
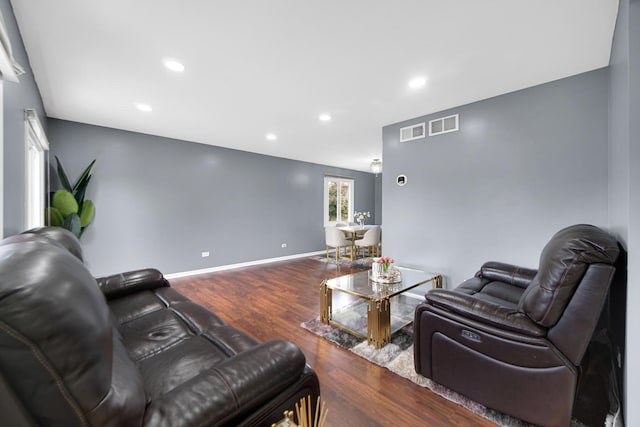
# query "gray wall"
(17, 97)
(378, 199)
(161, 202)
(624, 181)
(522, 166)
(633, 316)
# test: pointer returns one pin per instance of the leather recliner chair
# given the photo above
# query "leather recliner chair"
(127, 349)
(513, 338)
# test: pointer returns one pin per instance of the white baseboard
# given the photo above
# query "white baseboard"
(239, 265)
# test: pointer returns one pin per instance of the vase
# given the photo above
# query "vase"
(361, 223)
(381, 275)
(376, 269)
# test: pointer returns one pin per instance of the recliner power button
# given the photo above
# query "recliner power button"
(471, 335)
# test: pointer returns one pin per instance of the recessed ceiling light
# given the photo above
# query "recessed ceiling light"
(271, 136)
(324, 117)
(173, 65)
(143, 107)
(417, 82)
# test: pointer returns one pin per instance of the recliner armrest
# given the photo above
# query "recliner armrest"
(484, 311)
(234, 388)
(118, 285)
(508, 273)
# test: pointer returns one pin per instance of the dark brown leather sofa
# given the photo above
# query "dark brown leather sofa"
(513, 338)
(127, 350)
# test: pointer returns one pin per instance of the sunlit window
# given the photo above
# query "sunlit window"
(338, 199)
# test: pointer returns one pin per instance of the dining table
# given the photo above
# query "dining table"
(353, 232)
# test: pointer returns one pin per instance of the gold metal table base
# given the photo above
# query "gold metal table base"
(378, 314)
(379, 322)
(326, 297)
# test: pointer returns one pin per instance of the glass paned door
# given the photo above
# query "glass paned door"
(37, 147)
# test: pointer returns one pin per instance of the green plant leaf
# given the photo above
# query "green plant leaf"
(84, 178)
(65, 203)
(62, 176)
(87, 214)
(79, 194)
(72, 223)
(71, 210)
(53, 217)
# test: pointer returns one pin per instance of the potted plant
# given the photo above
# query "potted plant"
(68, 207)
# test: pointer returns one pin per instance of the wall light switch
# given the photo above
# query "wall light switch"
(205, 254)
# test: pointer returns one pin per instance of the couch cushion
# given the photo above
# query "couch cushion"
(134, 306)
(563, 262)
(497, 292)
(178, 364)
(166, 332)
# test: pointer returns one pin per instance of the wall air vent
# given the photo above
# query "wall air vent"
(412, 132)
(443, 125)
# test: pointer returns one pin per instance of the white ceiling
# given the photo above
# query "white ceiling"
(260, 66)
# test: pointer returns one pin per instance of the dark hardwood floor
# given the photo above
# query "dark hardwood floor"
(271, 300)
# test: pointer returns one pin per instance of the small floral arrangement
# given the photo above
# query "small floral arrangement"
(382, 271)
(386, 262)
(361, 216)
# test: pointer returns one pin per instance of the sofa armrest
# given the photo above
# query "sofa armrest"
(232, 390)
(118, 285)
(512, 274)
(483, 311)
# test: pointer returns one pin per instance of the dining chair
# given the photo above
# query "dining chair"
(335, 238)
(370, 241)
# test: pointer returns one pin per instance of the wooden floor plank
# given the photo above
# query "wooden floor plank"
(271, 300)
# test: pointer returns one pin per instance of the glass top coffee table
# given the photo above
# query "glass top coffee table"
(379, 309)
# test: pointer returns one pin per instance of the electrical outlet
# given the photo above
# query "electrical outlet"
(284, 245)
(205, 254)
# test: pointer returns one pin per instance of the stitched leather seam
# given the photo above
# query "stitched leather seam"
(141, 314)
(196, 330)
(224, 380)
(161, 349)
(150, 310)
(42, 360)
(554, 294)
(200, 332)
(228, 351)
(163, 300)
